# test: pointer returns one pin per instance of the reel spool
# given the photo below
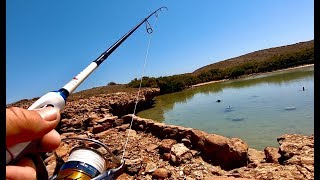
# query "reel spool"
(85, 163)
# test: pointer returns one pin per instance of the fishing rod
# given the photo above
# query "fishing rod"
(57, 99)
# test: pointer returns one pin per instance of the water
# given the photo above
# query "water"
(255, 109)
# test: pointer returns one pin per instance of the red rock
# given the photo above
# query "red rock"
(272, 154)
(118, 122)
(150, 167)
(107, 125)
(90, 129)
(227, 153)
(170, 131)
(173, 158)
(94, 116)
(160, 173)
(157, 129)
(128, 118)
(97, 129)
(296, 149)
(106, 119)
(179, 149)
(181, 153)
(68, 134)
(272, 171)
(166, 156)
(152, 147)
(123, 127)
(125, 176)
(256, 157)
(186, 142)
(187, 170)
(63, 150)
(131, 133)
(133, 166)
(198, 138)
(238, 154)
(50, 168)
(166, 144)
(80, 136)
(216, 170)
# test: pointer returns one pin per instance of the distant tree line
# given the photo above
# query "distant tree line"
(169, 84)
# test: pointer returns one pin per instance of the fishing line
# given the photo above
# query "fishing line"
(89, 157)
(148, 27)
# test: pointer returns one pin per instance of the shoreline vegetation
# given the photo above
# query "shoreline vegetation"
(263, 61)
(253, 75)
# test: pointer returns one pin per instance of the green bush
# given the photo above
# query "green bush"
(111, 83)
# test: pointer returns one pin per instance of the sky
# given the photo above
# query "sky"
(50, 42)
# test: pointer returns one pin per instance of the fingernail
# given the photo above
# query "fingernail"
(48, 113)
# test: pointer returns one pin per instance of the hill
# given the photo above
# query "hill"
(258, 56)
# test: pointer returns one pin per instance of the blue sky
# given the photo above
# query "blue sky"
(49, 42)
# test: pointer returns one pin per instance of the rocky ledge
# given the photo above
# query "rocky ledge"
(160, 151)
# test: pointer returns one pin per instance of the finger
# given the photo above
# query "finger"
(25, 125)
(50, 141)
(24, 169)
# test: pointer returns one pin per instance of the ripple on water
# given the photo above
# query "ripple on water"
(228, 109)
(236, 117)
(291, 108)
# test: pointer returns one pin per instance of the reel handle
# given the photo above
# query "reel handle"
(55, 99)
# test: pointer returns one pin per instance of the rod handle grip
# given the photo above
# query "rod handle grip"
(55, 99)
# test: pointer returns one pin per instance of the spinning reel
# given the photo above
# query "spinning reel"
(85, 163)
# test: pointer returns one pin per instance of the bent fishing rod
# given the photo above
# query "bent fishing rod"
(57, 99)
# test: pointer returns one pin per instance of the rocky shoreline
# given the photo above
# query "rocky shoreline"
(160, 151)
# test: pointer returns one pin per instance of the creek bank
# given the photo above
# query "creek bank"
(160, 151)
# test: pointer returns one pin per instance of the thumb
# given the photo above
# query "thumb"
(26, 125)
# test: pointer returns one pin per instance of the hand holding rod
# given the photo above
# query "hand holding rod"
(58, 98)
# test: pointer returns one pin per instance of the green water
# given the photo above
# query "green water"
(255, 109)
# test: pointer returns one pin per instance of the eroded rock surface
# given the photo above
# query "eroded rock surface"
(272, 154)
(296, 149)
(256, 157)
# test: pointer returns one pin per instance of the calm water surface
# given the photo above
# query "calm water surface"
(255, 109)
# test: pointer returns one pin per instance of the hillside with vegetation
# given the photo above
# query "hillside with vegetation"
(256, 62)
(262, 56)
